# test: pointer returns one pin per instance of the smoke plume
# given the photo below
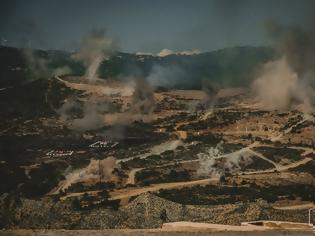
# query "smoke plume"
(279, 88)
(100, 169)
(96, 47)
(65, 70)
(215, 163)
(68, 108)
(91, 118)
(211, 90)
(166, 76)
(38, 66)
(143, 100)
(288, 81)
(97, 170)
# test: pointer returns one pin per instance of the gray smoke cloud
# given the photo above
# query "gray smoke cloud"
(211, 90)
(166, 76)
(26, 31)
(214, 162)
(141, 106)
(96, 47)
(68, 108)
(143, 100)
(38, 66)
(171, 75)
(65, 70)
(279, 87)
(97, 170)
(91, 118)
(100, 169)
(289, 80)
(96, 112)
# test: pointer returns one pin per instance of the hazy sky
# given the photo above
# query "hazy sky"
(147, 25)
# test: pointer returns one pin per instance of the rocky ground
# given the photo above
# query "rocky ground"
(146, 211)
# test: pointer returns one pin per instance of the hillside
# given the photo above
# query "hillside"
(230, 66)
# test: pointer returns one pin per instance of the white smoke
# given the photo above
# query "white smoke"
(62, 71)
(66, 110)
(279, 88)
(92, 116)
(102, 169)
(92, 119)
(39, 65)
(94, 49)
(166, 76)
(97, 170)
(215, 163)
(287, 82)
(208, 160)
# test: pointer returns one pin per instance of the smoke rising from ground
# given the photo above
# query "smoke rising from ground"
(143, 100)
(93, 114)
(96, 47)
(211, 91)
(67, 109)
(97, 170)
(141, 107)
(38, 66)
(215, 163)
(166, 76)
(288, 81)
(173, 75)
(91, 117)
(65, 70)
(100, 169)
(279, 88)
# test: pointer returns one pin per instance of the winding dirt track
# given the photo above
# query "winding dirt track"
(130, 192)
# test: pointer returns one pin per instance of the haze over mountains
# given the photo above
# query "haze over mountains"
(226, 67)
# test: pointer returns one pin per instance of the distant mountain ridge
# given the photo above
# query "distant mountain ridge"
(230, 66)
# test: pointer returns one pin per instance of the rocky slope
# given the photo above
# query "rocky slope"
(146, 211)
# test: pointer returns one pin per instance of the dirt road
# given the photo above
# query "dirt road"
(304, 206)
(132, 175)
(130, 192)
(127, 193)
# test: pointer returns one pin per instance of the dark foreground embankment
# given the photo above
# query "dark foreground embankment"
(150, 232)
